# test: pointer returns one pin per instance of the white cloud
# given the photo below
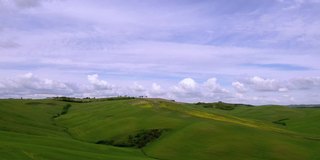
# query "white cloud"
(252, 91)
(261, 84)
(121, 42)
(284, 89)
(187, 84)
(304, 83)
(212, 86)
(137, 87)
(30, 85)
(272, 85)
(99, 84)
(239, 87)
(99, 88)
(186, 88)
(198, 40)
(189, 90)
(156, 90)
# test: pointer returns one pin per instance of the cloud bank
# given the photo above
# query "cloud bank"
(252, 90)
(264, 51)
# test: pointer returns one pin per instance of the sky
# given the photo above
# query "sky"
(237, 51)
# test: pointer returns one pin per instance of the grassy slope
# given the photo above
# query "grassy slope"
(302, 120)
(27, 131)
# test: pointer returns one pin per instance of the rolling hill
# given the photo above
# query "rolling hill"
(143, 129)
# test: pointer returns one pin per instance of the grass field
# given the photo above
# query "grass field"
(129, 129)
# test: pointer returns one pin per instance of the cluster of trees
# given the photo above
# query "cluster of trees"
(219, 105)
(139, 140)
(64, 111)
(89, 99)
(117, 98)
(72, 99)
(144, 137)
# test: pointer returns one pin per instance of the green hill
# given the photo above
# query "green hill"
(128, 128)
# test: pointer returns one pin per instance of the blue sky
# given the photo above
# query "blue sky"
(242, 51)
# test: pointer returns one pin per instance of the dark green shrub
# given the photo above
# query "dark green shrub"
(144, 137)
(65, 110)
(106, 142)
(281, 121)
(224, 106)
(139, 140)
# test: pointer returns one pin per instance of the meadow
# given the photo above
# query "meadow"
(158, 129)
